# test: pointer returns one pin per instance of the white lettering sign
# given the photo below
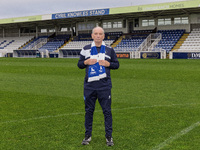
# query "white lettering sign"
(81, 13)
(195, 55)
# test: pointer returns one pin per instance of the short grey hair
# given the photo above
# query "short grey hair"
(98, 27)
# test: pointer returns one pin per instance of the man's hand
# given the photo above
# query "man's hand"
(104, 63)
(90, 61)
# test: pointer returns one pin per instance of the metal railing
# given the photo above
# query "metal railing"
(150, 42)
(37, 44)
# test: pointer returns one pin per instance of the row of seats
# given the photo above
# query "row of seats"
(192, 42)
(142, 31)
(47, 43)
(5, 43)
(9, 44)
(81, 44)
(132, 42)
(85, 39)
(177, 31)
(35, 43)
(169, 39)
(196, 29)
(52, 46)
(55, 43)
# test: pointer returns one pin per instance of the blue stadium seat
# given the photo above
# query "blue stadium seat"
(169, 38)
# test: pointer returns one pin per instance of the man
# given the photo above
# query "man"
(98, 59)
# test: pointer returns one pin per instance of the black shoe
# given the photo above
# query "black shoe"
(86, 140)
(109, 141)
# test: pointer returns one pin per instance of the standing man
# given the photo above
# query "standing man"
(98, 59)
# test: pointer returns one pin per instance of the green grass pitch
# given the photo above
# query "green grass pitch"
(155, 105)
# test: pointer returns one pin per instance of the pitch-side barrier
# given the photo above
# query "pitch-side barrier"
(193, 54)
(142, 54)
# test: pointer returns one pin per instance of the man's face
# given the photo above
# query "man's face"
(98, 35)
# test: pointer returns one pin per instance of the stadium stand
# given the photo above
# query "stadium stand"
(169, 39)
(85, 39)
(35, 43)
(131, 42)
(192, 42)
(50, 43)
(113, 35)
(54, 43)
(73, 47)
(9, 44)
(80, 44)
(180, 42)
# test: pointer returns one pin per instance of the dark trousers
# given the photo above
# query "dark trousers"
(104, 98)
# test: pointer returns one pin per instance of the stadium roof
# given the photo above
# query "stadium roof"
(152, 10)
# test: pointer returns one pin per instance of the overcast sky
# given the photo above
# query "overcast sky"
(21, 8)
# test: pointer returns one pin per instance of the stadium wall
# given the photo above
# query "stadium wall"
(163, 27)
(16, 32)
(100, 23)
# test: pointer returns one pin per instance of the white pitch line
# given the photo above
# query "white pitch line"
(153, 106)
(79, 113)
(42, 117)
(178, 135)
